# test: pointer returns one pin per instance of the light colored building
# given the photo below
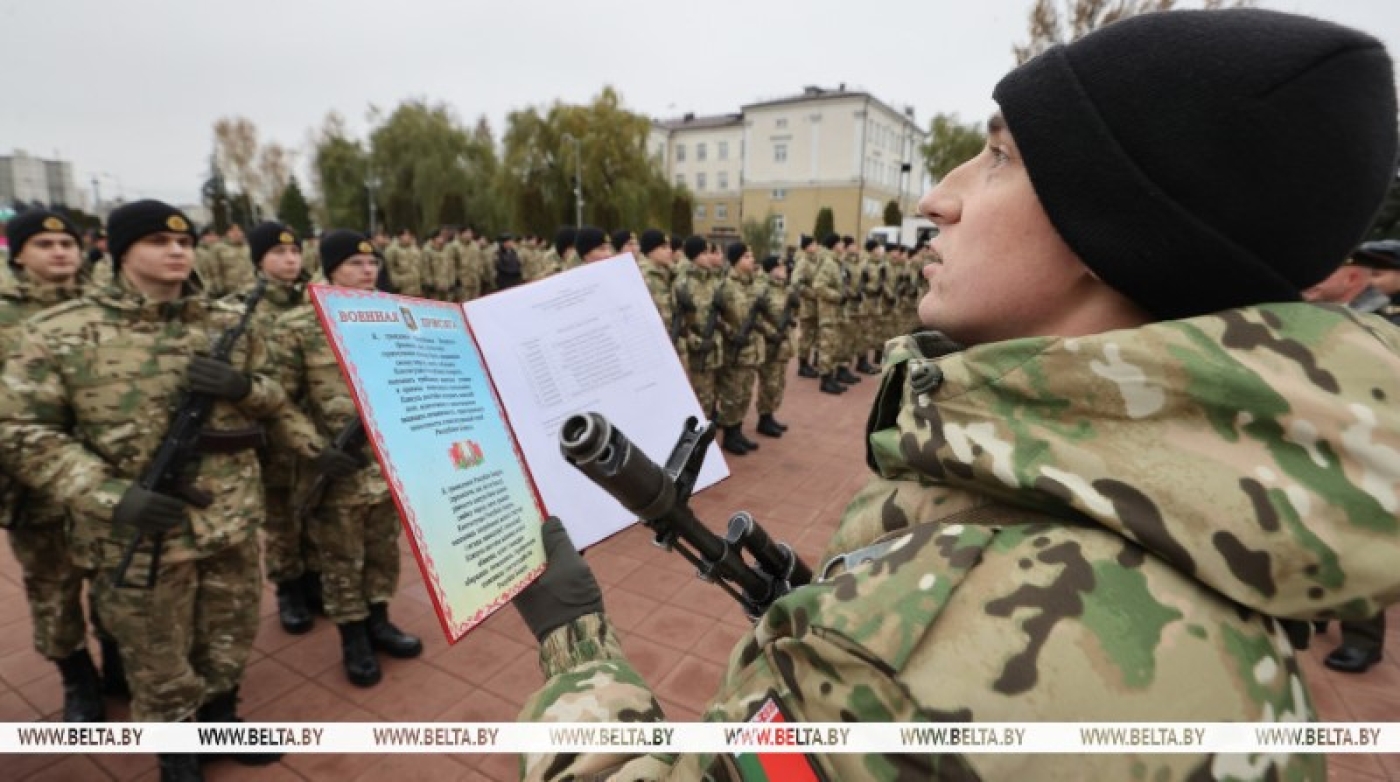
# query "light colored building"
(848, 151)
(706, 156)
(26, 178)
(792, 156)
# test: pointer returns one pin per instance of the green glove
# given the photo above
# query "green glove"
(150, 512)
(216, 378)
(566, 590)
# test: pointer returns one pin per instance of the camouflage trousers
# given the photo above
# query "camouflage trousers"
(830, 341)
(807, 331)
(703, 382)
(188, 638)
(735, 394)
(288, 550)
(772, 381)
(359, 546)
(54, 586)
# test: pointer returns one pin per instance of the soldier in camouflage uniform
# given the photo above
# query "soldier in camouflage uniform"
(85, 402)
(355, 525)
(311, 256)
(744, 302)
(289, 554)
(779, 316)
(803, 272)
(465, 266)
(870, 334)
(230, 267)
(625, 241)
(590, 244)
(99, 261)
(46, 270)
(439, 274)
(405, 265)
(696, 293)
(1125, 499)
(853, 316)
(657, 271)
(831, 288)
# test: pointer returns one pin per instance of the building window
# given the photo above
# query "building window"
(782, 123)
(723, 150)
(780, 194)
(680, 180)
(780, 225)
(780, 153)
(723, 180)
(699, 211)
(700, 151)
(680, 153)
(871, 207)
(700, 181)
(721, 211)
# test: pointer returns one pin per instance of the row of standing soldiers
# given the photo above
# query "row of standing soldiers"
(94, 377)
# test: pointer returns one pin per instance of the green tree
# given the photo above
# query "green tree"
(293, 209)
(622, 186)
(1061, 21)
(950, 143)
(826, 224)
(682, 214)
(432, 169)
(893, 214)
(215, 195)
(761, 235)
(339, 167)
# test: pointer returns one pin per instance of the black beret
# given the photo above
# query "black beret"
(26, 225)
(589, 239)
(337, 246)
(652, 239)
(130, 223)
(267, 236)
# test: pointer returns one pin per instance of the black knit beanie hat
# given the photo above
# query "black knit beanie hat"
(130, 223)
(694, 246)
(564, 239)
(267, 236)
(651, 239)
(1167, 149)
(589, 239)
(677, 244)
(340, 245)
(830, 241)
(622, 237)
(26, 225)
(735, 251)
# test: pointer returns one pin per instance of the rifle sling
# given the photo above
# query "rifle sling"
(228, 441)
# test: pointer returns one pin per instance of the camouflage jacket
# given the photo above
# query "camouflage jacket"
(279, 463)
(86, 400)
(405, 268)
(1101, 528)
(698, 286)
(232, 269)
(779, 343)
(20, 298)
(831, 286)
(307, 368)
(659, 282)
(742, 293)
(439, 272)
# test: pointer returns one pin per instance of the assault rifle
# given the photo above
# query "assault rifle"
(684, 306)
(760, 306)
(175, 466)
(350, 439)
(789, 313)
(707, 334)
(661, 498)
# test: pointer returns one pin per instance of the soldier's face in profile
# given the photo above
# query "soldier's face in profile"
(662, 255)
(745, 263)
(1005, 271)
(161, 259)
(51, 256)
(282, 263)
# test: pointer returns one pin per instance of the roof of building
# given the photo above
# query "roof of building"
(692, 122)
(811, 94)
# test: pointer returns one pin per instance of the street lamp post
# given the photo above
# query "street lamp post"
(578, 178)
(372, 183)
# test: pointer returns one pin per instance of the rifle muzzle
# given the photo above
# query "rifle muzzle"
(602, 453)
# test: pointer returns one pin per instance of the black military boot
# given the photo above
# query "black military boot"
(223, 707)
(805, 368)
(291, 606)
(180, 768)
(113, 670)
(844, 375)
(830, 386)
(768, 427)
(361, 667)
(732, 442)
(82, 690)
(782, 427)
(387, 638)
(747, 443)
(879, 357)
(866, 367)
(311, 587)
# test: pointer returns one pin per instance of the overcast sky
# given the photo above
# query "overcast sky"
(129, 91)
